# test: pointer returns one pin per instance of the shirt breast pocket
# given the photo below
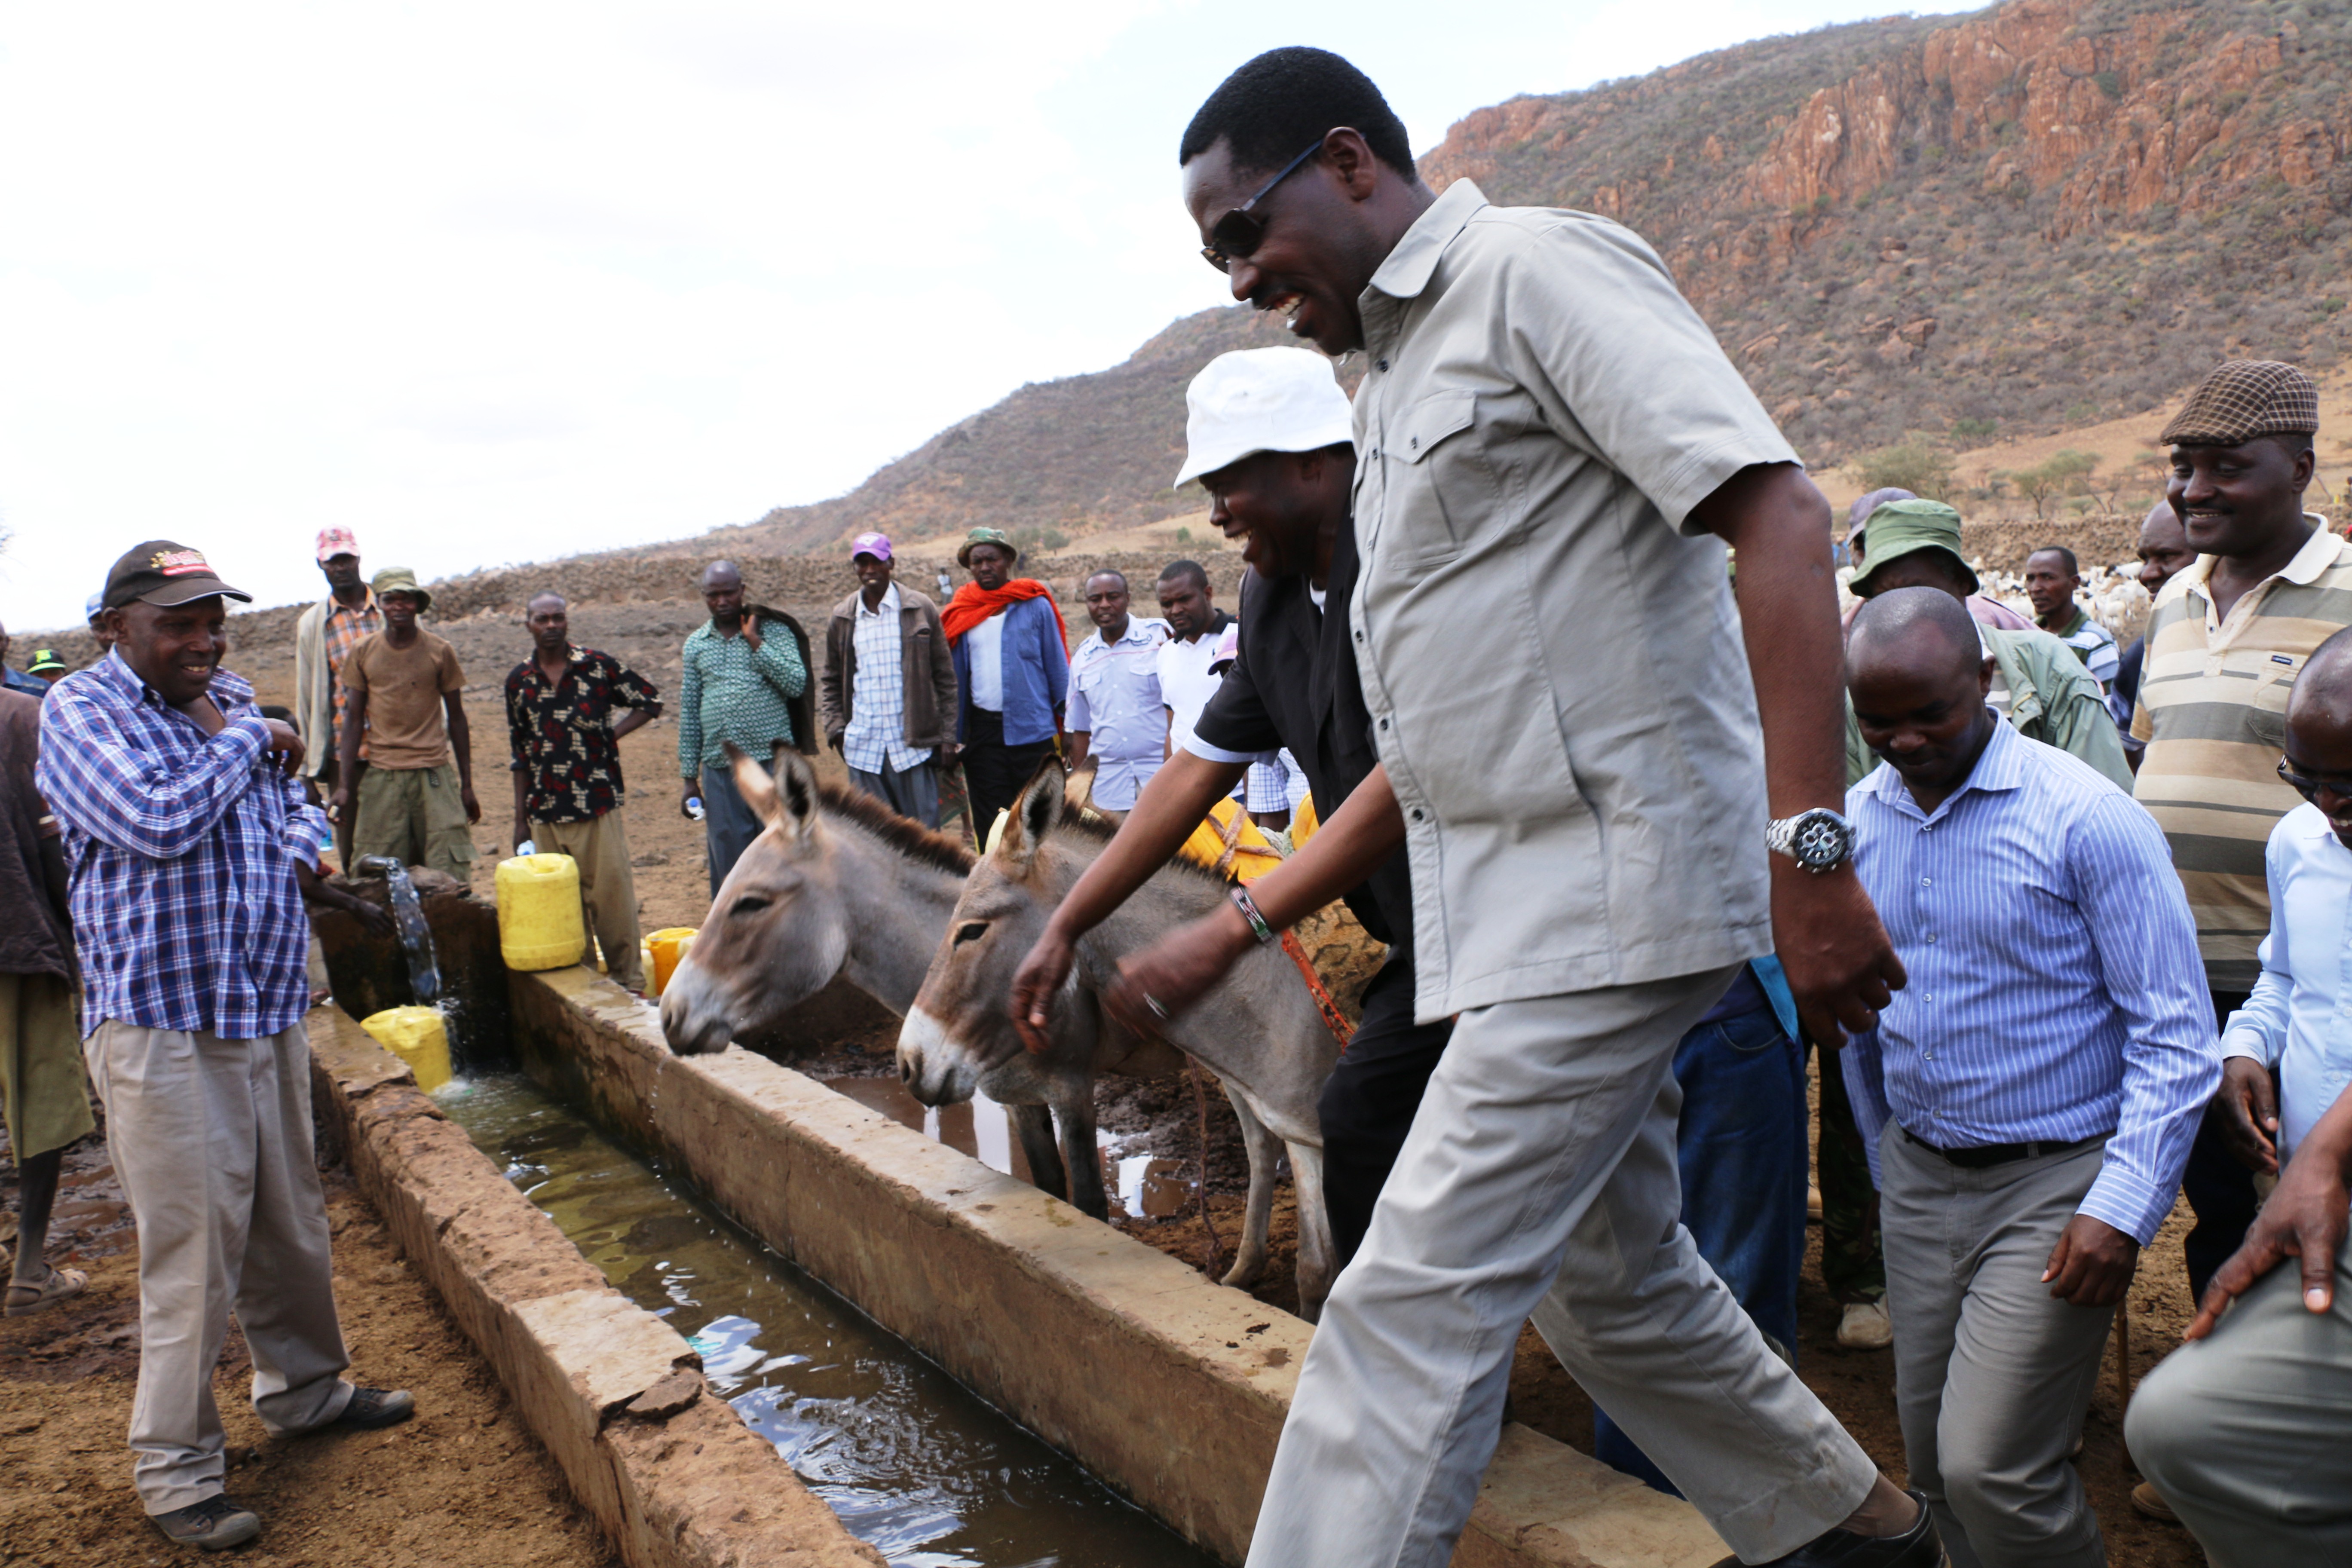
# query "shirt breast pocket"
(2274, 674)
(1438, 485)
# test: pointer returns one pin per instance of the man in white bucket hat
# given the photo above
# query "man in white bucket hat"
(1268, 439)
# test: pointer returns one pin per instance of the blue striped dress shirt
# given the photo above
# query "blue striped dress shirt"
(2299, 1019)
(2056, 991)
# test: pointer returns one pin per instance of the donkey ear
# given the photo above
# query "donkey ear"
(1034, 816)
(1078, 794)
(796, 795)
(752, 782)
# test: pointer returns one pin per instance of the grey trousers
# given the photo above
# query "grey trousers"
(211, 1139)
(1992, 1373)
(1541, 1177)
(913, 793)
(728, 822)
(2248, 1432)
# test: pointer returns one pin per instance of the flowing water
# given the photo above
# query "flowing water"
(911, 1460)
(408, 916)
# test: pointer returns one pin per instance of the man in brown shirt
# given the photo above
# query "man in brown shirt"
(404, 687)
(41, 1085)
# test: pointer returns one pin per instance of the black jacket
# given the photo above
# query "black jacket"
(1296, 684)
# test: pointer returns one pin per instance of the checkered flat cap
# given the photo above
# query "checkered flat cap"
(2242, 399)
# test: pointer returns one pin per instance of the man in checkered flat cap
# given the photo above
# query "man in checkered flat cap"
(2225, 640)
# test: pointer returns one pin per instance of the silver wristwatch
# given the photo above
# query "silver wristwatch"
(1819, 840)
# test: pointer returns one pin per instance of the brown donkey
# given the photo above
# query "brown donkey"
(841, 885)
(1258, 1030)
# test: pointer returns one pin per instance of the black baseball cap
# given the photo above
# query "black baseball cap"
(161, 572)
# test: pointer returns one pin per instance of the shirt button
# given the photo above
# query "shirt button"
(1416, 813)
(1383, 364)
(1931, 936)
(1384, 723)
(1359, 637)
(1927, 882)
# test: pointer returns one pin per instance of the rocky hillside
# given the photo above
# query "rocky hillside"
(2049, 213)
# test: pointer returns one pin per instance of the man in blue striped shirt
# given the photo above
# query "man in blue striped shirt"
(2030, 1096)
(182, 824)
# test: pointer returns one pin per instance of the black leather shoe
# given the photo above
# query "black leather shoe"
(212, 1525)
(1918, 1547)
(373, 1407)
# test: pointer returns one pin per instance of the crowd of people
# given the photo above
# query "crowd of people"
(2062, 922)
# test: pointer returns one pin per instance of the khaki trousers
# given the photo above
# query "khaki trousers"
(2248, 1432)
(414, 815)
(1992, 1373)
(608, 891)
(211, 1139)
(47, 1100)
(1540, 1178)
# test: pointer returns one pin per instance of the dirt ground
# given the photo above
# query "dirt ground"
(462, 1483)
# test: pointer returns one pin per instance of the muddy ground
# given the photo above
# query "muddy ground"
(461, 1484)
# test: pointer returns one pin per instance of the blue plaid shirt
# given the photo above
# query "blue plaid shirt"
(186, 910)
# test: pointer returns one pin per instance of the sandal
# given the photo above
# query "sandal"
(62, 1284)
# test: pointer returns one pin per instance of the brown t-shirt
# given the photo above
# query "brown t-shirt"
(404, 687)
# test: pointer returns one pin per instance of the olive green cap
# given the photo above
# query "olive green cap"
(400, 580)
(1901, 527)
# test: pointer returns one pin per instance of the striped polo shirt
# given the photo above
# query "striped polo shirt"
(2212, 709)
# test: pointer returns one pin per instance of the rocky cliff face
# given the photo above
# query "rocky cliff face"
(2051, 212)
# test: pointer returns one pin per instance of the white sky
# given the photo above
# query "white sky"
(499, 282)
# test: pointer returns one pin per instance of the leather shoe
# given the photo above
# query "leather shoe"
(370, 1409)
(212, 1525)
(1918, 1547)
(2149, 1503)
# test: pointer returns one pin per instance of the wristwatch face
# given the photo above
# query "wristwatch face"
(1821, 840)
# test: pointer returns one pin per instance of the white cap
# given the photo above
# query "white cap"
(1262, 400)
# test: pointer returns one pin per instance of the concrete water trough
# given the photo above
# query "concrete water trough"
(1168, 1387)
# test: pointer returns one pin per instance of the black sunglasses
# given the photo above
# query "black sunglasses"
(1240, 232)
(2309, 788)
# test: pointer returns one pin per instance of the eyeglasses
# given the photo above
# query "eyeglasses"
(1237, 235)
(2309, 788)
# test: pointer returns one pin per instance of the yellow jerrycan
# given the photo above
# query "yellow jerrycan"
(416, 1036)
(666, 950)
(539, 912)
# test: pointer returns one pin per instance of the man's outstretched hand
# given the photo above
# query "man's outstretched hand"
(1842, 967)
(2305, 1217)
(1035, 983)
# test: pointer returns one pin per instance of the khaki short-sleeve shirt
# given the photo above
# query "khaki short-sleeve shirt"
(1553, 666)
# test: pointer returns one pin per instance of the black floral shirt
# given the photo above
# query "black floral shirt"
(563, 735)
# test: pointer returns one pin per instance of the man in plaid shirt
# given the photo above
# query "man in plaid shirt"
(183, 826)
(888, 688)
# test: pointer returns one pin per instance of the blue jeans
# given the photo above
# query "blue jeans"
(1741, 1146)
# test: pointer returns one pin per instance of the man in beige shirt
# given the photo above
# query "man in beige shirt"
(405, 698)
(1581, 742)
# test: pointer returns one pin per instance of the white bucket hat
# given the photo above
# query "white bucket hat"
(1261, 400)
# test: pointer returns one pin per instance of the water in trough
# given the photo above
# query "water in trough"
(911, 1460)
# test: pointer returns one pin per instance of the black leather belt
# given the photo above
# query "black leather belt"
(1979, 1156)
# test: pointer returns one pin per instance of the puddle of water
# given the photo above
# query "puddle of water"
(910, 1458)
(1142, 1187)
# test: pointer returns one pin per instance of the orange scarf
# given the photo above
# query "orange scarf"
(973, 604)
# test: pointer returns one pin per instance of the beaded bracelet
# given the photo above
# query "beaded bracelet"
(1248, 906)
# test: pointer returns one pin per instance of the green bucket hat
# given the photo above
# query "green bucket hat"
(1901, 527)
(400, 580)
(996, 536)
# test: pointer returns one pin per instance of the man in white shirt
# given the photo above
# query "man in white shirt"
(1117, 714)
(2246, 1431)
(1201, 640)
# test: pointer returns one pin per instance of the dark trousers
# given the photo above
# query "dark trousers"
(728, 823)
(1852, 1267)
(2220, 1191)
(1369, 1101)
(914, 793)
(993, 772)
(1740, 1145)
